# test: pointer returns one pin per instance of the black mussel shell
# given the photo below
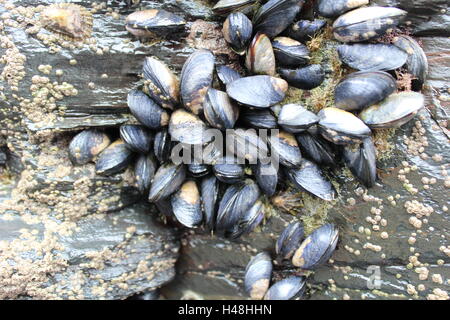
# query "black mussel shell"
(361, 160)
(236, 201)
(198, 169)
(210, 196)
(115, 158)
(162, 145)
(316, 148)
(187, 128)
(87, 145)
(258, 91)
(257, 275)
(146, 110)
(260, 57)
(294, 118)
(275, 15)
(168, 178)
(186, 205)
(246, 145)
(153, 22)
(289, 240)
(224, 7)
(341, 127)
(366, 23)
(237, 31)
(309, 177)
(137, 138)
(144, 171)
(227, 74)
(196, 79)
(160, 83)
(287, 289)
(305, 78)
(362, 89)
(228, 170)
(284, 147)
(258, 118)
(251, 219)
(304, 30)
(334, 8)
(289, 52)
(372, 57)
(266, 175)
(317, 248)
(219, 110)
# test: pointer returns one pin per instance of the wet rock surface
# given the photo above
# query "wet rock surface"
(104, 243)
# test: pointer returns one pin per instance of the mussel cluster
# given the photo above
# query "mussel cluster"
(227, 184)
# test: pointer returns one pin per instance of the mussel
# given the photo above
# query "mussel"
(136, 137)
(114, 159)
(292, 287)
(334, 8)
(316, 148)
(294, 118)
(366, 23)
(248, 222)
(258, 91)
(305, 78)
(258, 118)
(289, 52)
(196, 79)
(394, 111)
(168, 178)
(210, 195)
(153, 23)
(246, 145)
(362, 89)
(361, 160)
(228, 170)
(289, 240)
(341, 127)
(257, 275)
(162, 145)
(260, 57)
(146, 110)
(187, 128)
(219, 110)
(372, 57)
(284, 147)
(304, 30)
(317, 248)
(198, 169)
(144, 171)
(224, 7)
(186, 205)
(237, 31)
(160, 83)
(87, 145)
(266, 175)
(227, 74)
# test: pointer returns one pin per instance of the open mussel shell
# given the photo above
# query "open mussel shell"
(416, 62)
(249, 221)
(258, 118)
(87, 145)
(289, 52)
(144, 171)
(219, 110)
(224, 7)
(289, 240)
(237, 31)
(115, 158)
(210, 194)
(284, 147)
(372, 57)
(291, 288)
(258, 91)
(394, 111)
(227, 74)
(257, 275)
(162, 145)
(196, 79)
(187, 128)
(304, 30)
(228, 170)
(168, 178)
(236, 201)
(362, 89)
(186, 205)
(308, 177)
(266, 175)
(366, 23)
(317, 248)
(153, 23)
(198, 169)
(146, 110)
(160, 83)
(361, 160)
(341, 127)
(305, 78)
(137, 138)
(316, 148)
(334, 8)
(260, 57)
(275, 15)
(246, 145)
(294, 118)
